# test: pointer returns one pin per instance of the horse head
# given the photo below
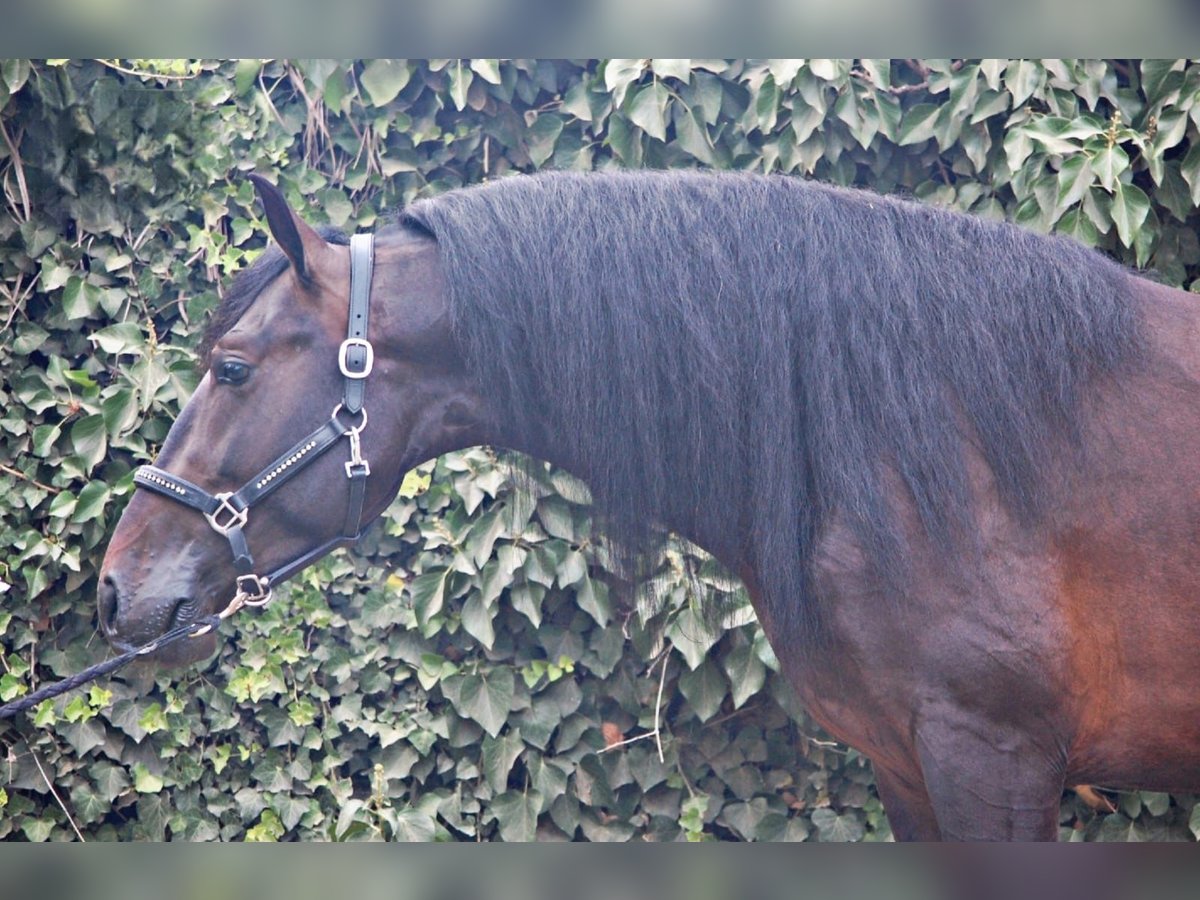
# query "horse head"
(296, 436)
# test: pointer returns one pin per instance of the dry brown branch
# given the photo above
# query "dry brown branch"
(15, 473)
(58, 799)
(19, 169)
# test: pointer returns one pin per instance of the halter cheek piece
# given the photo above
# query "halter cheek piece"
(228, 512)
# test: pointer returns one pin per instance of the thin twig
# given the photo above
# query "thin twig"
(897, 90)
(18, 296)
(657, 732)
(19, 169)
(143, 73)
(266, 92)
(731, 715)
(54, 794)
(831, 746)
(9, 470)
(662, 680)
(632, 740)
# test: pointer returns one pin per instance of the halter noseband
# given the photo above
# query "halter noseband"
(228, 512)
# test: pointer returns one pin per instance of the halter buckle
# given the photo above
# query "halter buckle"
(344, 358)
(237, 517)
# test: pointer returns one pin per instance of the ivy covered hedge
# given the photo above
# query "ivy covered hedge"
(478, 670)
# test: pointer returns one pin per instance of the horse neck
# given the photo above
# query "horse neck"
(689, 499)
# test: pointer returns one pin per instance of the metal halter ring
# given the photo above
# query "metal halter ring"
(237, 517)
(257, 593)
(350, 429)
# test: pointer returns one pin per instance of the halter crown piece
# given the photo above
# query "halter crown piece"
(228, 512)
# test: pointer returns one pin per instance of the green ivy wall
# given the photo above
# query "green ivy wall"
(473, 672)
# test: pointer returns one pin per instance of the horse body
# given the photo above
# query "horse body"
(1068, 656)
(1053, 644)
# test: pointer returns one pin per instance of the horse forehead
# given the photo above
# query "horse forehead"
(282, 313)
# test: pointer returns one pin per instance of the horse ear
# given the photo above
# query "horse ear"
(298, 240)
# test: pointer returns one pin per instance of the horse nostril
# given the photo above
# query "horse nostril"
(108, 602)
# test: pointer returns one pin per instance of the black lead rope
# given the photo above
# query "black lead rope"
(192, 629)
(228, 512)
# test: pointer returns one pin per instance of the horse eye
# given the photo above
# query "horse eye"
(231, 372)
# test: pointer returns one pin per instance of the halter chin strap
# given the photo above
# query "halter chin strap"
(228, 512)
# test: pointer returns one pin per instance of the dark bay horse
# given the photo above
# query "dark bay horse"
(953, 461)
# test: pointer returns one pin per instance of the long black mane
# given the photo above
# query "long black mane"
(755, 352)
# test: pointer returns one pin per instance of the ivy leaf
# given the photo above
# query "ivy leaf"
(89, 437)
(571, 569)
(37, 830)
(1174, 193)
(91, 501)
(527, 599)
(592, 597)
(477, 620)
(832, 827)
(625, 141)
(1074, 179)
(746, 673)
(691, 135)
(110, 780)
(487, 698)
(705, 689)
(680, 69)
(498, 755)
(1108, 164)
(648, 110)
(828, 69)
(120, 412)
(746, 818)
(516, 813)
(1117, 827)
(414, 826)
(1059, 135)
(918, 124)
(123, 337)
(145, 781)
(619, 74)
(1023, 78)
(784, 70)
(555, 516)
(79, 299)
(89, 805)
(1189, 168)
(1076, 224)
(428, 592)
(460, 82)
(542, 135)
(1157, 74)
(766, 105)
(805, 120)
(384, 79)
(692, 636)
(487, 69)
(1130, 207)
(346, 817)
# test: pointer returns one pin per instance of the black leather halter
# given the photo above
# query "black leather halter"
(229, 511)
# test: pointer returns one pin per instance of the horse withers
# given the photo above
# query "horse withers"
(951, 459)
